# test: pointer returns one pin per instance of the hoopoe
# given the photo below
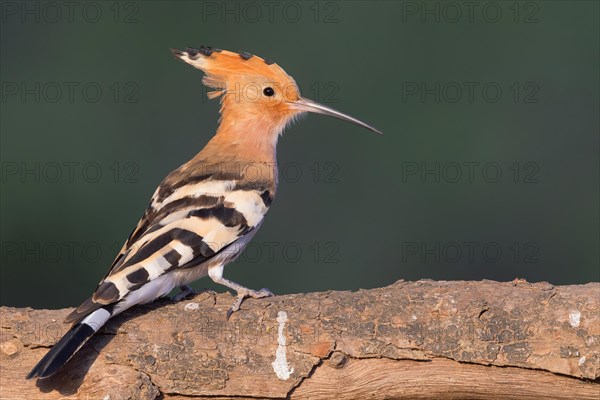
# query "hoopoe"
(204, 213)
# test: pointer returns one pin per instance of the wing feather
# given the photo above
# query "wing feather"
(185, 225)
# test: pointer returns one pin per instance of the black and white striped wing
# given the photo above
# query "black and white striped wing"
(187, 228)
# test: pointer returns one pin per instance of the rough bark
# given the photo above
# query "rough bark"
(421, 339)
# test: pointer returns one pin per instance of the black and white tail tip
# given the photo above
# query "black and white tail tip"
(68, 345)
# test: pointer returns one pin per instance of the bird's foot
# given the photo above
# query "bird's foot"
(244, 294)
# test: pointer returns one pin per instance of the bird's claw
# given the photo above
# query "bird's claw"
(242, 295)
(262, 293)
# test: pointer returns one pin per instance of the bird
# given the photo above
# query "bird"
(205, 212)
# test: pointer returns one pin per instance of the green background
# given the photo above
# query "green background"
(352, 210)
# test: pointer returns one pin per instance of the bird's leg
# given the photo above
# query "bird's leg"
(216, 274)
(185, 291)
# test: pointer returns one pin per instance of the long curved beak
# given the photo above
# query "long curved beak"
(311, 106)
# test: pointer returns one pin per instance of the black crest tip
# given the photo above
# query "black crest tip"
(192, 52)
(206, 50)
(245, 56)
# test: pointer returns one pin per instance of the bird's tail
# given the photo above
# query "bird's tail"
(68, 345)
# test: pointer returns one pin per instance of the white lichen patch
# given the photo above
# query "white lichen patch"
(581, 361)
(590, 341)
(280, 365)
(574, 318)
(191, 307)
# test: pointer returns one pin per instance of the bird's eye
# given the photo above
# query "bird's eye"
(269, 91)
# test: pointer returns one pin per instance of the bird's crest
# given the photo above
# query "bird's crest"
(229, 71)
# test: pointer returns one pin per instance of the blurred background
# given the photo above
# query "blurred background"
(488, 168)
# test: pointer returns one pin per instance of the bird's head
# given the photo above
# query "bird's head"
(254, 89)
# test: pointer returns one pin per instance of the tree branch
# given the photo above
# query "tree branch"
(413, 340)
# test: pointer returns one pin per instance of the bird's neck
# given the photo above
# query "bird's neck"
(245, 140)
(243, 145)
(245, 136)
